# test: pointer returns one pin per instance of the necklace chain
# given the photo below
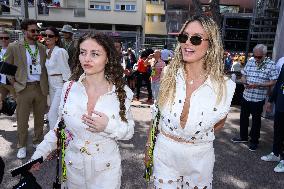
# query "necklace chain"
(191, 81)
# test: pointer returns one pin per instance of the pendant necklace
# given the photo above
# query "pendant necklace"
(191, 82)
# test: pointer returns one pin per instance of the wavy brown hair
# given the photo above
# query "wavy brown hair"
(213, 62)
(113, 68)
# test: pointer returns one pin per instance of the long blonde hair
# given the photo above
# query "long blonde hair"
(213, 63)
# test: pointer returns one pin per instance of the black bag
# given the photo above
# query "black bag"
(28, 181)
(8, 69)
(9, 106)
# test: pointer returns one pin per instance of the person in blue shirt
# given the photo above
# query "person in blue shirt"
(278, 98)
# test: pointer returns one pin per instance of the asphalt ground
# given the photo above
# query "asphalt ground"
(235, 167)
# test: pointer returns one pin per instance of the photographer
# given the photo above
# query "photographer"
(5, 87)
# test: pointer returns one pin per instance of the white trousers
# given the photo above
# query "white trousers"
(182, 165)
(55, 88)
(99, 168)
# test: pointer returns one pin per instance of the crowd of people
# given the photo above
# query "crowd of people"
(190, 90)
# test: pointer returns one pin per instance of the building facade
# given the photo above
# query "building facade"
(121, 18)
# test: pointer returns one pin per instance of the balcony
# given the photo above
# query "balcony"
(73, 8)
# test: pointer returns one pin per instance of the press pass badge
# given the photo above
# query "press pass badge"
(35, 69)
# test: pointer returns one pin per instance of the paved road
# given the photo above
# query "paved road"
(235, 168)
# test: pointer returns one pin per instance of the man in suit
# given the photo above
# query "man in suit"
(30, 83)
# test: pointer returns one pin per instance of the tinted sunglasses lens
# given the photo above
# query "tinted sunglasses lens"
(182, 38)
(34, 31)
(6, 38)
(195, 40)
(258, 57)
(50, 36)
(43, 35)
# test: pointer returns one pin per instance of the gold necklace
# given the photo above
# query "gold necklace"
(191, 81)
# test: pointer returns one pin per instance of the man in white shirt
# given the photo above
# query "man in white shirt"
(30, 83)
(166, 54)
(5, 87)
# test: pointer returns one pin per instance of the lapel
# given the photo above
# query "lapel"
(23, 54)
(42, 55)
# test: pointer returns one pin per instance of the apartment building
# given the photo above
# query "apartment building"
(155, 21)
(122, 18)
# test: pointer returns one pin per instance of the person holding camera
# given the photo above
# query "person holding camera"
(5, 87)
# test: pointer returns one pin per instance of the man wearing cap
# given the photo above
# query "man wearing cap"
(68, 43)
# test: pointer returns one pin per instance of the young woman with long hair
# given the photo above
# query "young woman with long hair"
(96, 114)
(194, 100)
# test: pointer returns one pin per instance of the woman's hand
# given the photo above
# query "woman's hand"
(96, 123)
(35, 167)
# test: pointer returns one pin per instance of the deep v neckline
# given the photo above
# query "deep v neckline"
(93, 105)
(188, 101)
(184, 116)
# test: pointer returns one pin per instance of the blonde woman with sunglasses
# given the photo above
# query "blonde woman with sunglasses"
(194, 101)
(58, 71)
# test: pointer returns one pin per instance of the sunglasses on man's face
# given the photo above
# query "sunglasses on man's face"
(48, 35)
(258, 57)
(34, 30)
(4, 38)
(194, 39)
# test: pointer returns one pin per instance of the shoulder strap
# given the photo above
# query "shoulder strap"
(67, 92)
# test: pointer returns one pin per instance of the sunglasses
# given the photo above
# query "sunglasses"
(34, 30)
(4, 38)
(258, 57)
(194, 39)
(48, 35)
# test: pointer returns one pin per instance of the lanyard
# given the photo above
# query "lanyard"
(2, 56)
(33, 55)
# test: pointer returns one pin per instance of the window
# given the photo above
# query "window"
(133, 7)
(163, 18)
(117, 7)
(99, 6)
(127, 8)
(153, 18)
